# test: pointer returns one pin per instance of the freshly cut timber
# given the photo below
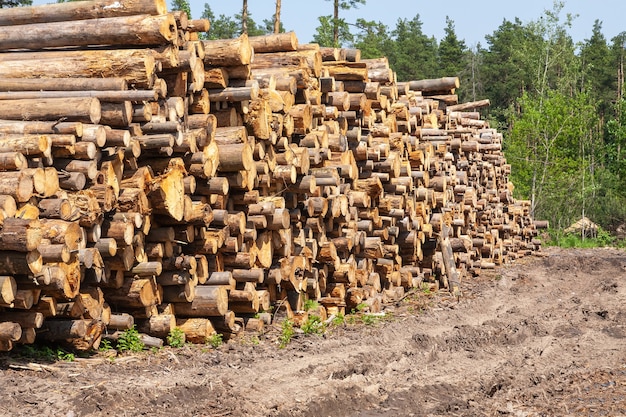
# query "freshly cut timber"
(85, 110)
(63, 84)
(59, 12)
(126, 30)
(276, 42)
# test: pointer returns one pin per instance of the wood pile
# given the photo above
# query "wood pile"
(155, 179)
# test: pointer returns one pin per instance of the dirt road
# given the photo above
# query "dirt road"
(545, 336)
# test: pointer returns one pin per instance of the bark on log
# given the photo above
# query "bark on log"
(59, 12)
(123, 30)
(86, 110)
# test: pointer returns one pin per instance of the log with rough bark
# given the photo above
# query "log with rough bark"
(228, 52)
(86, 110)
(445, 85)
(59, 12)
(132, 30)
(276, 42)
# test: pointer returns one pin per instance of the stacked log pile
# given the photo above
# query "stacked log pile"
(155, 179)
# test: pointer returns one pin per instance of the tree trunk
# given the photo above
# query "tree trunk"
(124, 30)
(277, 17)
(59, 12)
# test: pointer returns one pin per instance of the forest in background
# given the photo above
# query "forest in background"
(560, 104)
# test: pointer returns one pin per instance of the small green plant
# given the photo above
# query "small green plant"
(426, 288)
(313, 325)
(602, 238)
(130, 341)
(370, 319)
(176, 338)
(46, 353)
(215, 340)
(361, 306)
(338, 320)
(254, 340)
(286, 333)
(310, 305)
(63, 355)
(105, 345)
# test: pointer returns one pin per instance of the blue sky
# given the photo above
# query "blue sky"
(473, 19)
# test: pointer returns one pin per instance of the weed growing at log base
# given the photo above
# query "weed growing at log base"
(46, 353)
(176, 338)
(313, 325)
(310, 304)
(105, 345)
(130, 341)
(215, 340)
(286, 333)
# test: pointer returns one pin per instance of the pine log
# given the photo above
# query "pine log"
(436, 85)
(209, 301)
(134, 293)
(20, 263)
(8, 289)
(468, 106)
(21, 235)
(123, 30)
(63, 84)
(72, 109)
(278, 42)
(57, 330)
(228, 52)
(197, 330)
(10, 331)
(59, 12)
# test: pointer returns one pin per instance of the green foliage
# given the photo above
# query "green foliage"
(338, 320)
(287, 332)
(597, 75)
(176, 338)
(313, 325)
(413, 46)
(182, 5)
(372, 39)
(333, 30)
(227, 27)
(325, 32)
(548, 149)
(46, 353)
(5, 4)
(370, 319)
(105, 345)
(451, 51)
(361, 306)
(216, 340)
(310, 304)
(571, 240)
(63, 355)
(130, 341)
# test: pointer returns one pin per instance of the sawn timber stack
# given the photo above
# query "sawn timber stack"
(155, 179)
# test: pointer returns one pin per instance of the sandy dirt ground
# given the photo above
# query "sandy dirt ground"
(544, 336)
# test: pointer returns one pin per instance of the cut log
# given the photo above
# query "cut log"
(20, 234)
(209, 301)
(72, 109)
(197, 330)
(59, 12)
(124, 30)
